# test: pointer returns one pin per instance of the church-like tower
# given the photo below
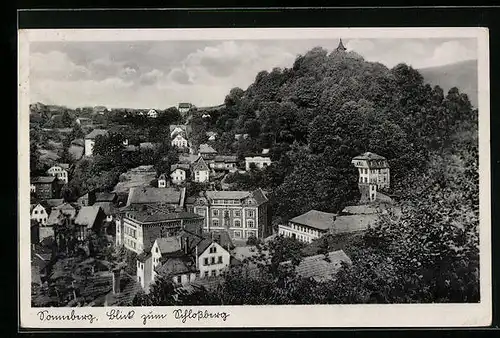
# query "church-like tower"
(340, 47)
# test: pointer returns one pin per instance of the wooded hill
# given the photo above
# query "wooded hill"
(326, 109)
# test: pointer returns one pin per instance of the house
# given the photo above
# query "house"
(100, 110)
(90, 140)
(309, 226)
(242, 214)
(59, 214)
(39, 213)
(109, 210)
(60, 171)
(162, 181)
(374, 175)
(183, 258)
(179, 141)
(179, 172)
(259, 161)
(46, 187)
(87, 199)
(321, 268)
(89, 218)
(200, 170)
(184, 107)
(224, 163)
(206, 151)
(139, 228)
(170, 198)
(265, 151)
(84, 121)
(183, 129)
(241, 136)
(152, 114)
(212, 136)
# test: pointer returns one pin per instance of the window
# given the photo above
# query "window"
(215, 212)
(205, 261)
(237, 223)
(215, 222)
(157, 250)
(212, 260)
(237, 213)
(36, 212)
(213, 273)
(179, 279)
(250, 213)
(226, 214)
(237, 234)
(251, 234)
(200, 212)
(213, 249)
(220, 260)
(250, 223)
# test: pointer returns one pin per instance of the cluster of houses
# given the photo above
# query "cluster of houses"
(191, 238)
(374, 177)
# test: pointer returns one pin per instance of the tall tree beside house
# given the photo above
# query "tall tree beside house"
(161, 293)
(77, 132)
(67, 120)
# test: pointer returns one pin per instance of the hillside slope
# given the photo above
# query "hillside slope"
(462, 75)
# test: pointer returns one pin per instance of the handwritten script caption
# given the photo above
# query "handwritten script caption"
(149, 317)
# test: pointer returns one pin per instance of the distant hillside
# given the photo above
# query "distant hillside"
(462, 75)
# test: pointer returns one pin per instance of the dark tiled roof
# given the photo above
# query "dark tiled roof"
(221, 237)
(369, 156)
(353, 223)
(145, 195)
(54, 202)
(43, 180)
(315, 219)
(168, 244)
(108, 207)
(87, 215)
(183, 166)
(226, 158)
(96, 132)
(359, 210)
(216, 195)
(176, 266)
(105, 196)
(155, 215)
(321, 268)
(206, 149)
(259, 196)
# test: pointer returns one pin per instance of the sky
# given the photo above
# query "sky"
(160, 74)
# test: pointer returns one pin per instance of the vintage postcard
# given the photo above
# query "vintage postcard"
(225, 178)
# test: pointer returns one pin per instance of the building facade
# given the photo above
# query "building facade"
(242, 214)
(259, 161)
(59, 172)
(224, 163)
(179, 141)
(137, 230)
(200, 171)
(374, 175)
(39, 214)
(46, 187)
(309, 226)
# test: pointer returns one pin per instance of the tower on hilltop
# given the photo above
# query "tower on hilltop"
(374, 175)
(340, 47)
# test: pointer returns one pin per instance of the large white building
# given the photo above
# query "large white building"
(309, 226)
(374, 175)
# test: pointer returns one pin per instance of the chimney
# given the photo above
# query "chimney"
(116, 281)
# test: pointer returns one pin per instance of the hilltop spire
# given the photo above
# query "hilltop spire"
(340, 47)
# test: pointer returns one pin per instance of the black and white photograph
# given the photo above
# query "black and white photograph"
(222, 173)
